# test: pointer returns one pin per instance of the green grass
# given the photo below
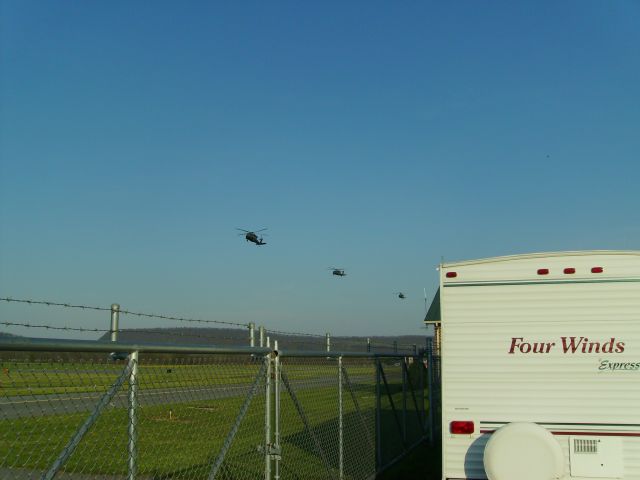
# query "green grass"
(31, 378)
(182, 439)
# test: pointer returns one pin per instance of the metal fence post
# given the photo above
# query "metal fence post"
(115, 316)
(261, 334)
(421, 387)
(340, 422)
(133, 419)
(328, 338)
(275, 451)
(404, 401)
(252, 334)
(378, 418)
(267, 419)
(430, 370)
(368, 345)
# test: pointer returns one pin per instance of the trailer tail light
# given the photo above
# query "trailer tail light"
(458, 427)
(543, 271)
(451, 275)
(597, 270)
(569, 270)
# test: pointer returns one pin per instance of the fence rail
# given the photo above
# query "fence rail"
(70, 409)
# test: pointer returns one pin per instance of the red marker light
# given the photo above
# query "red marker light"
(451, 275)
(543, 271)
(569, 270)
(459, 427)
(597, 270)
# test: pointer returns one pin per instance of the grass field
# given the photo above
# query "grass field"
(182, 436)
(51, 378)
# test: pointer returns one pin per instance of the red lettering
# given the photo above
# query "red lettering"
(594, 346)
(542, 347)
(514, 343)
(608, 347)
(570, 345)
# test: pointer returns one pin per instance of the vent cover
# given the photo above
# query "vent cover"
(596, 457)
(581, 445)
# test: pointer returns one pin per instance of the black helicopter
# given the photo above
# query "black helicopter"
(252, 236)
(401, 295)
(339, 272)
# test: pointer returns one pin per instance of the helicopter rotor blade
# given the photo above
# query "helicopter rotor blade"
(242, 229)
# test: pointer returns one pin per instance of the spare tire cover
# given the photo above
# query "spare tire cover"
(523, 451)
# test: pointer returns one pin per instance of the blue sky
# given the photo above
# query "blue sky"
(376, 136)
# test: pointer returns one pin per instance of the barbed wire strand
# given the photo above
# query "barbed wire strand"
(125, 330)
(296, 334)
(148, 315)
(153, 331)
(158, 316)
(125, 312)
(52, 327)
(182, 319)
(54, 304)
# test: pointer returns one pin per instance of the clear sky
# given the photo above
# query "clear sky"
(375, 136)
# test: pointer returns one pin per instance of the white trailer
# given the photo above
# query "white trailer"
(541, 367)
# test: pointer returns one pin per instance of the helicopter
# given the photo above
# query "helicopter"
(400, 295)
(339, 272)
(252, 236)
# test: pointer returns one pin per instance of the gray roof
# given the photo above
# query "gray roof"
(433, 314)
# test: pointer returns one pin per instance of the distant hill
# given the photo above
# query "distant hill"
(240, 337)
(5, 334)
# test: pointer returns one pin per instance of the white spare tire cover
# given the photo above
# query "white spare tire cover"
(523, 451)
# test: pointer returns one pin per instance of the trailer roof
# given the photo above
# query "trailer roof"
(508, 258)
(433, 314)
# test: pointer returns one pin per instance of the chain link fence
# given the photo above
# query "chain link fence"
(77, 410)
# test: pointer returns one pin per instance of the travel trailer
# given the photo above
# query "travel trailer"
(541, 367)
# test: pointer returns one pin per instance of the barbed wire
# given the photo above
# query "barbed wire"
(52, 327)
(52, 304)
(125, 330)
(182, 319)
(188, 334)
(297, 334)
(125, 312)
(334, 339)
